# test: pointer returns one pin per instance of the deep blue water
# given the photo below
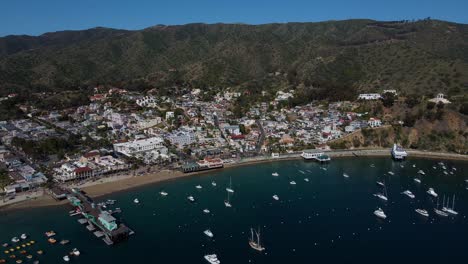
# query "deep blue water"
(326, 220)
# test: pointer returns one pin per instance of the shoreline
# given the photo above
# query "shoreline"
(116, 184)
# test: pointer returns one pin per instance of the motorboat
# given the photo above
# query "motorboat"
(380, 183)
(136, 201)
(422, 212)
(417, 180)
(76, 252)
(64, 242)
(163, 193)
(213, 259)
(276, 197)
(198, 187)
(306, 179)
(206, 211)
(275, 174)
(391, 173)
(208, 233)
(213, 183)
(380, 213)
(23, 236)
(432, 192)
(345, 175)
(191, 199)
(421, 172)
(15, 240)
(381, 196)
(409, 194)
(292, 182)
(66, 258)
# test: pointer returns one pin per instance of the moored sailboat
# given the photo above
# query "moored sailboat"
(254, 241)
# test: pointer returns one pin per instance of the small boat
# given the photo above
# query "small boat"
(414, 165)
(40, 252)
(275, 174)
(229, 189)
(227, 202)
(276, 197)
(381, 196)
(345, 175)
(409, 194)
(23, 236)
(292, 182)
(36, 262)
(440, 212)
(191, 199)
(417, 180)
(372, 165)
(2, 261)
(52, 240)
(421, 172)
(206, 211)
(380, 183)
(208, 233)
(12, 256)
(213, 183)
(302, 172)
(66, 258)
(64, 242)
(19, 261)
(380, 213)
(432, 192)
(29, 256)
(136, 201)
(254, 242)
(434, 167)
(23, 252)
(306, 179)
(15, 240)
(391, 173)
(5, 245)
(76, 252)
(163, 193)
(213, 259)
(445, 172)
(198, 187)
(422, 212)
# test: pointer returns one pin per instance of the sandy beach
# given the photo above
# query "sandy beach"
(125, 182)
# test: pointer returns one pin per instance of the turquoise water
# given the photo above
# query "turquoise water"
(328, 219)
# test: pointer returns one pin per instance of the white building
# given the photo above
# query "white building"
(141, 145)
(369, 96)
(374, 122)
(182, 138)
(440, 98)
(169, 115)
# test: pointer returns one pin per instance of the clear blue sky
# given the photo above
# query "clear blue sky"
(34, 17)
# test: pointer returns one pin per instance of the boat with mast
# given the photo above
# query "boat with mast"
(254, 241)
(450, 210)
(229, 189)
(227, 202)
(439, 212)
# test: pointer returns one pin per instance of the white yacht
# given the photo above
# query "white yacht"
(448, 209)
(255, 243)
(198, 187)
(409, 194)
(345, 175)
(136, 201)
(381, 196)
(208, 233)
(380, 213)
(391, 173)
(276, 197)
(163, 193)
(292, 182)
(306, 179)
(417, 180)
(421, 172)
(440, 212)
(213, 259)
(275, 174)
(432, 192)
(15, 240)
(66, 258)
(213, 183)
(206, 211)
(23, 236)
(229, 189)
(76, 252)
(191, 199)
(422, 212)
(302, 172)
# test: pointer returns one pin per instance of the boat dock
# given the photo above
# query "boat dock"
(97, 220)
(315, 155)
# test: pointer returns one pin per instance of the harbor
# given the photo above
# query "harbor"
(292, 228)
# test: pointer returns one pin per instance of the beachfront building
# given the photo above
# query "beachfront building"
(70, 172)
(182, 138)
(369, 96)
(137, 146)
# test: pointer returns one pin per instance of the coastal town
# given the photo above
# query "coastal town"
(121, 132)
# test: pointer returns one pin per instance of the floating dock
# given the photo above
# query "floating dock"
(101, 222)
